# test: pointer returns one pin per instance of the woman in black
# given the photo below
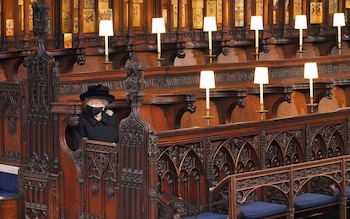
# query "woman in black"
(96, 122)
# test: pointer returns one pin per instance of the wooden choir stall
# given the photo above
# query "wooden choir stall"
(278, 148)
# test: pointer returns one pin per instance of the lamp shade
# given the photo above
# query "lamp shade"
(209, 24)
(338, 19)
(310, 70)
(256, 23)
(158, 25)
(300, 22)
(261, 75)
(106, 28)
(207, 79)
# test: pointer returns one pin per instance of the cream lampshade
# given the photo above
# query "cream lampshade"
(310, 72)
(158, 25)
(106, 30)
(256, 23)
(300, 22)
(209, 24)
(207, 81)
(338, 19)
(261, 77)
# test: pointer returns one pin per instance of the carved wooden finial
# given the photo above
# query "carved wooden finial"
(134, 80)
(40, 18)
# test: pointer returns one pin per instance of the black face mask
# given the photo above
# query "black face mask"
(94, 110)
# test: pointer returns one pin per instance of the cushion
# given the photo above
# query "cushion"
(347, 192)
(7, 195)
(208, 215)
(309, 200)
(261, 209)
(9, 182)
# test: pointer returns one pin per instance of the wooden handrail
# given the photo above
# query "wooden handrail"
(289, 179)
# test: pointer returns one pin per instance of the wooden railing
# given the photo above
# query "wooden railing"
(291, 181)
(193, 160)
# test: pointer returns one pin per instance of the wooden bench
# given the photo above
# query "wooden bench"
(8, 191)
(307, 190)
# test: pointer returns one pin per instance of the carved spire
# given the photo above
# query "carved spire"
(40, 18)
(134, 86)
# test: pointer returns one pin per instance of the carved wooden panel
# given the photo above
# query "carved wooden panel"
(245, 149)
(101, 166)
(138, 153)
(40, 193)
(181, 171)
(40, 178)
(11, 117)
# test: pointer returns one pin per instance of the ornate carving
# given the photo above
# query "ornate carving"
(300, 176)
(55, 80)
(327, 141)
(11, 156)
(209, 162)
(81, 59)
(11, 95)
(263, 148)
(134, 81)
(79, 88)
(101, 163)
(180, 54)
(36, 190)
(247, 186)
(235, 155)
(133, 134)
(153, 150)
(132, 178)
(177, 153)
(225, 51)
(40, 18)
(38, 165)
(284, 149)
(308, 155)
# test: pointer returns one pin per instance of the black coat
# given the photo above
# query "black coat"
(107, 129)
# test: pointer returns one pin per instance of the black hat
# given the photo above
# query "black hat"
(97, 91)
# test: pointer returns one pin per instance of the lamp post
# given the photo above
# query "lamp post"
(300, 23)
(261, 77)
(209, 26)
(339, 21)
(256, 23)
(207, 81)
(158, 27)
(311, 72)
(106, 30)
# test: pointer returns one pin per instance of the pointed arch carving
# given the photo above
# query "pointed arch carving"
(237, 152)
(284, 148)
(327, 141)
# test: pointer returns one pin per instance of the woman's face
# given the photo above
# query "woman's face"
(95, 102)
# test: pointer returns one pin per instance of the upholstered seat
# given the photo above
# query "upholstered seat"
(309, 200)
(208, 215)
(261, 209)
(8, 185)
(347, 192)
